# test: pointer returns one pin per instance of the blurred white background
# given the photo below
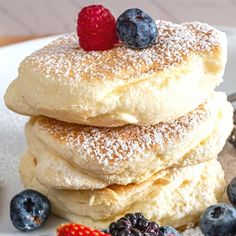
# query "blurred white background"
(43, 17)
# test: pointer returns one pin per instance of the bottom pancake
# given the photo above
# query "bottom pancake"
(176, 196)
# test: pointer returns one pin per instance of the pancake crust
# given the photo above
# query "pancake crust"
(122, 85)
(80, 157)
(177, 197)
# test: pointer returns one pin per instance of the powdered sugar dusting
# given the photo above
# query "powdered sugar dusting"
(110, 146)
(65, 61)
(192, 232)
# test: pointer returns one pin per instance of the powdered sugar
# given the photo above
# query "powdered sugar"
(192, 232)
(12, 145)
(110, 146)
(64, 60)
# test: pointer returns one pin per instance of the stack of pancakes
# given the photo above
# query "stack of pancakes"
(126, 130)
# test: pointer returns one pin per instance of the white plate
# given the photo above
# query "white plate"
(12, 140)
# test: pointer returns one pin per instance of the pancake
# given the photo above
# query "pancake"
(71, 156)
(176, 197)
(122, 85)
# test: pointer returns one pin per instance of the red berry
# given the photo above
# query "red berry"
(78, 230)
(96, 28)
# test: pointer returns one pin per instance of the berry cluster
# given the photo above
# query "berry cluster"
(232, 137)
(137, 224)
(98, 30)
(220, 219)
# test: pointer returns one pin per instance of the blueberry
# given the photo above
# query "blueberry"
(231, 192)
(169, 231)
(218, 220)
(29, 210)
(136, 28)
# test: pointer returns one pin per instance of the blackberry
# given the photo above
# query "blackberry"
(29, 210)
(123, 224)
(134, 224)
(136, 28)
(125, 232)
(232, 137)
(136, 232)
(139, 215)
(132, 218)
(142, 224)
(153, 228)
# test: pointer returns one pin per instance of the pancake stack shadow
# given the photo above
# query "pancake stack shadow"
(126, 130)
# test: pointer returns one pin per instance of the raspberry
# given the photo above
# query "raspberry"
(78, 230)
(96, 28)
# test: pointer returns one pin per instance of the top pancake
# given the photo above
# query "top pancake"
(122, 85)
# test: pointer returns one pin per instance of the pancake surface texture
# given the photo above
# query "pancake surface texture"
(122, 85)
(177, 196)
(71, 156)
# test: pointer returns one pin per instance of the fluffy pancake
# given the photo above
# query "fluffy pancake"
(71, 156)
(176, 197)
(122, 85)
